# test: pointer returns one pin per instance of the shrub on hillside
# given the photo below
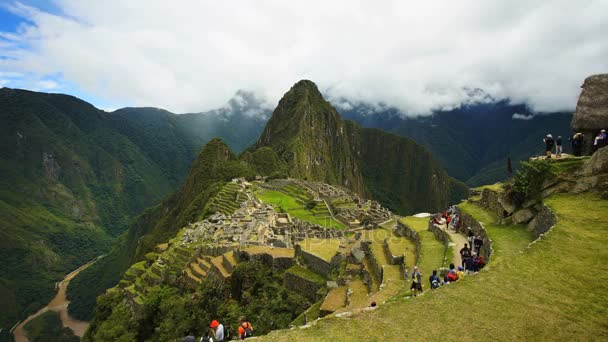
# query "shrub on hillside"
(528, 181)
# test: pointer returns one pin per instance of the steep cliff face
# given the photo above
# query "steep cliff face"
(310, 136)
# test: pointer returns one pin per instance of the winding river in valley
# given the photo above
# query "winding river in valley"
(58, 304)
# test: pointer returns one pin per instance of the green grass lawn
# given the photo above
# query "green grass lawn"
(289, 204)
(432, 250)
(555, 290)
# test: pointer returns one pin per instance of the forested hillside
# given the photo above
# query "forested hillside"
(474, 141)
(73, 177)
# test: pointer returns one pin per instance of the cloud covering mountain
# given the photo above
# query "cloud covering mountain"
(189, 56)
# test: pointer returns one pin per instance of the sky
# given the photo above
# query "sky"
(194, 55)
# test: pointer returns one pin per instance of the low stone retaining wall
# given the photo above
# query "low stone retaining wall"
(393, 259)
(315, 263)
(376, 267)
(308, 288)
(405, 231)
(467, 221)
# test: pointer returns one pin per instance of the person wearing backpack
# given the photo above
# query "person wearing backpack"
(416, 286)
(245, 328)
(434, 280)
(549, 143)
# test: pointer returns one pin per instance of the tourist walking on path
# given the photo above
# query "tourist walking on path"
(469, 265)
(218, 330)
(416, 286)
(471, 238)
(558, 147)
(465, 253)
(549, 142)
(477, 243)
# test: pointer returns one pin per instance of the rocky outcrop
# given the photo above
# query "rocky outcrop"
(523, 215)
(591, 113)
(543, 221)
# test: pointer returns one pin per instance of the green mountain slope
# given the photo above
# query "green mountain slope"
(309, 135)
(72, 178)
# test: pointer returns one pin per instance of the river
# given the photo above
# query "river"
(58, 304)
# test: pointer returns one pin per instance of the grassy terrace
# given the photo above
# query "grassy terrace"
(555, 290)
(323, 248)
(432, 250)
(306, 274)
(294, 206)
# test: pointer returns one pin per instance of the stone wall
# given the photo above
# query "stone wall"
(314, 262)
(405, 231)
(376, 267)
(543, 221)
(467, 221)
(439, 233)
(393, 259)
(308, 288)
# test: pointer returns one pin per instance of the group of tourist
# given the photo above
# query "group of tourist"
(550, 142)
(219, 333)
(577, 142)
(449, 217)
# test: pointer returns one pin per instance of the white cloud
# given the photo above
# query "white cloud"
(193, 55)
(518, 116)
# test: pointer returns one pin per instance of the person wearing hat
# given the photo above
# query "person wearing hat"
(245, 328)
(460, 272)
(218, 330)
(549, 142)
(416, 286)
(577, 144)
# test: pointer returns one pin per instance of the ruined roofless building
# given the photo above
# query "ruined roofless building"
(591, 114)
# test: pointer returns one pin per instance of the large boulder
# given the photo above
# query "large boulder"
(591, 113)
(523, 215)
(598, 163)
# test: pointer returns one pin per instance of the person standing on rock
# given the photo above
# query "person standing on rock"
(549, 142)
(577, 144)
(558, 147)
(218, 330)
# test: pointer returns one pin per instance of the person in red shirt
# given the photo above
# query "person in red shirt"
(245, 328)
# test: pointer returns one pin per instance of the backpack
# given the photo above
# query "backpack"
(227, 334)
(435, 284)
(248, 329)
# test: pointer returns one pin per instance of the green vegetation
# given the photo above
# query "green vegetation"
(554, 289)
(432, 251)
(309, 315)
(295, 206)
(256, 292)
(72, 177)
(48, 328)
(528, 181)
(306, 274)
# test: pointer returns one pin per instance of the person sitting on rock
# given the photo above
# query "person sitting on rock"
(599, 141)
(465, 252)
(434, 280)
(469, 265)
(549, 142)
(480, 262)
(460, 272)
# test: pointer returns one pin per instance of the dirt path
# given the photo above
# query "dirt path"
(58, 304)
(458, 241)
